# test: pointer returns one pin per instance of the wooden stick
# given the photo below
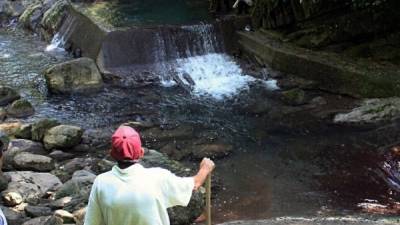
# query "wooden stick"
(208, 200)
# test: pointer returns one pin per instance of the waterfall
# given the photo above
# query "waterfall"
(56, 44)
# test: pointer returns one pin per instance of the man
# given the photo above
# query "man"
(130, 194)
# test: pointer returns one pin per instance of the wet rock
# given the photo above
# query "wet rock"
(31, 186)
(34, 162)
(66, 216)
(102, 166)
(20, 108)
(214, 150)
(97, 138)
(59, 155)
(7, 95)
(294, 97)
(53, 17)
(156, 135)
(37, 211)
(174, 151)
(24, 132)
(41, 127)
(62, 137)
(18, 146)
(79, 75)
(372, 111)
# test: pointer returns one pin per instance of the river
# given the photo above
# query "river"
(274, 170)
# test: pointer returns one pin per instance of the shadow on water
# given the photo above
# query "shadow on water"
(271, 172)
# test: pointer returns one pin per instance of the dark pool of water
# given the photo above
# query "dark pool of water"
(269, 173)
(147, 12)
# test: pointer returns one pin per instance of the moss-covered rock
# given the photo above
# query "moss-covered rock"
(40, 127)
(20, 108)
(62, 137)
(294, 97)
(53, 18)
(31, 16)
(7, 95)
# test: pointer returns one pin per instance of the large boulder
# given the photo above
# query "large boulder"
(372, 111)
(62, 137)
(20, 108)
(80, 183)
(41, 127)
(29, 161)
(79, 75)
(8, 95)
(53, 18)
(29, 187)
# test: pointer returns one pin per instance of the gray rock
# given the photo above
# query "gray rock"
(7, 95)
(62, 137)
(59, 155)
(372, 111)
(294, 97)
(37, 211)
(41, 127)
(213, 150)
(32, 16)
(37, 221)
(29, 161)
(79, 75)
(11, 198)
(3, 182)
(30, 185)
(18, 146)
(20, 108)
(24, 132)
(53, 17)
(80, 183)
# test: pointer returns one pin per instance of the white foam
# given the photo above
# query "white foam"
(5, 56)
(56, 44)
(216, 75)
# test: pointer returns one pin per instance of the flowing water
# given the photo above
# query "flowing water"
(272, 172)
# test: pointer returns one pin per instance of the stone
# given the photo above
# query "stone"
(81, 182)
(294, 97)
(79, 75)
(53, 18)
(54, 220)
(62, 137)
(66, 216)
(60, 203)
(7, 95)
(372, 111)
(37, 211)
(30, 185)
(4, 141)
(11, 198)
(24, 132)
(80, 215)
(20, 108)
(59, 155)
(18, 146)
(40, 128)
(34, 162)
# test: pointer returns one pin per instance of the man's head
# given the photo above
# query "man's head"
(126, 145)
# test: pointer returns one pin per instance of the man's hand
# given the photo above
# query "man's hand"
(206, 167)
(207, 164)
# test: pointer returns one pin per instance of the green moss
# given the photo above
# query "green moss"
(25, 18)
(53, 17)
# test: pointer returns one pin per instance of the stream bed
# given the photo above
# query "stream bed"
(270, 173)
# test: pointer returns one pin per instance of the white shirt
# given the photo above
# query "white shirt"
(3, 220)
(136, 196)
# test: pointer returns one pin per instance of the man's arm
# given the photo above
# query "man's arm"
(206, 167)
